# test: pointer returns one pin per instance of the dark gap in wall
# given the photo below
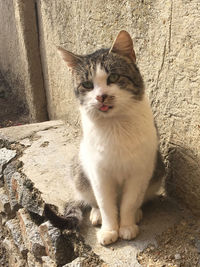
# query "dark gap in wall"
(39, 51)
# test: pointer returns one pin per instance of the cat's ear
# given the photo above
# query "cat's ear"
(123, 45)
(71, 59)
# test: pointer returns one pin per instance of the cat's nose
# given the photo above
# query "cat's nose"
(101, 98)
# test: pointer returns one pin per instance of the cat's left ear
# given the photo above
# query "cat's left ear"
(123, 45)
(71, 59)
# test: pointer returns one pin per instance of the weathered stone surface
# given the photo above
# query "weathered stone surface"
(78, 262)
(183, 179)
(15, 232)
(17, 133)
(26, 195)
(32, 261)
(20, 191)
(51, 146)
(49, 235)
(82, 262)
(47, 167)
(30, 234)
(5, 156)
(48, 262)
(4, 202)
(57, 247)
(1, 180)
(15, 258)
(3, 219)
(9, 173)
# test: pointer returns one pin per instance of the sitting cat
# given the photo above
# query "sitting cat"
(113, 171)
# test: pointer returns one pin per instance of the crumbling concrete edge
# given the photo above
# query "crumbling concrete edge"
(30, 237)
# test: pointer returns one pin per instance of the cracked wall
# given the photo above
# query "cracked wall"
(167, 45)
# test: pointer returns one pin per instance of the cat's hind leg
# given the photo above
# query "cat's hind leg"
(138, 216)
(95, 216)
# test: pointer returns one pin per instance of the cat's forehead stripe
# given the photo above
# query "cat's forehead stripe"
(100, 72)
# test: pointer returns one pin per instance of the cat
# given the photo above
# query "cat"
(113, 172)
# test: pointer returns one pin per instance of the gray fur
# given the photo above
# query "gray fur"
(81, 182)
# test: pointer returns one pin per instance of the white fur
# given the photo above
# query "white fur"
(118, 153)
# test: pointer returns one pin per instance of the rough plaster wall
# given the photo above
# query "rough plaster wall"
(9, 44)
(167, 44)
(19, 55)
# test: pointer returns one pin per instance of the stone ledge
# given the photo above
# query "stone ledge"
(30, 234)
(15, 232)
(15, 258)
(57, 246)
(5, 156)
(4, 202)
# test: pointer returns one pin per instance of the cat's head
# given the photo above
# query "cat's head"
(108, 82)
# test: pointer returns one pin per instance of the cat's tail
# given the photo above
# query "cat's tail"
(71, 219)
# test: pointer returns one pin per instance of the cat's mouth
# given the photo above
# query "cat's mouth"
(105, 108)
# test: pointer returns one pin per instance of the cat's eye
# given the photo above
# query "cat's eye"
(113, 78)
(88, 85)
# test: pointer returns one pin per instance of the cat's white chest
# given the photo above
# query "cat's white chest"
(118, 153)
(120, 148)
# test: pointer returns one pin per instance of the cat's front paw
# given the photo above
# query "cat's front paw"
(106, 237)
(95, 216)
(128, 232)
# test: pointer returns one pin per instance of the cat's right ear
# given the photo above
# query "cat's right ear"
(71, 59)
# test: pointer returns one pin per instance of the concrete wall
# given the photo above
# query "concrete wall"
(167, 44)
(20, 62)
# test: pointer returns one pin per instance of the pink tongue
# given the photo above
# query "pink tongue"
(104, 108)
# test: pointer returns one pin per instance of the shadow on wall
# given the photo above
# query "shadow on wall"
(183, 177)
(13, 110)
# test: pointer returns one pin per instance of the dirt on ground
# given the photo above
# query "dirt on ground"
(179, 246)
